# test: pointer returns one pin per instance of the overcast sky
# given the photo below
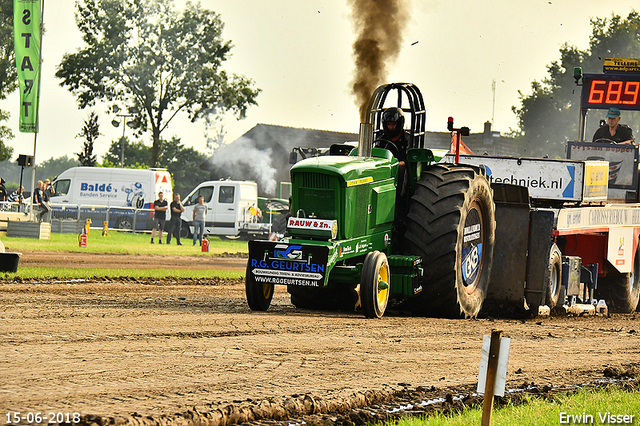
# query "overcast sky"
(299, 52)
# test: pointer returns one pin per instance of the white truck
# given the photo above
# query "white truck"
(122, 197)
(232, 210)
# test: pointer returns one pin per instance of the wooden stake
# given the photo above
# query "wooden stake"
(492, 369)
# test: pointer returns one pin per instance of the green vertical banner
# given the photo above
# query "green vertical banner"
(26, 34)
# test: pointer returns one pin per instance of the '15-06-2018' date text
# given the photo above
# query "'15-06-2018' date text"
(17, 417)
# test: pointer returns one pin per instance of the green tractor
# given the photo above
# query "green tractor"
(353, 240)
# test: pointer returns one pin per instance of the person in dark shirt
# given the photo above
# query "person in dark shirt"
(614, 132)
(394, 138)
(40, 201)
(397, 140)
(48, 188)
(176, 208)
(46, 202)
(160, 207)
(3, 192)
(16, 197)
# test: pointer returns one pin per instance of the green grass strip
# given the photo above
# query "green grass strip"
(125, 243)
(80, 273)
(583, 407)
(121, 243)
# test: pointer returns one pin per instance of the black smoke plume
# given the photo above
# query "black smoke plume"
(379, 25)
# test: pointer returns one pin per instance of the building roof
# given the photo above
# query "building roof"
(267, 135)
(276, 143)
(291, 137)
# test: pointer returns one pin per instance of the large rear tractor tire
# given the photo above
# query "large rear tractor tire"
(621, 292)
(374, 284)
(451, 224)
(554, 292)
(259, 295)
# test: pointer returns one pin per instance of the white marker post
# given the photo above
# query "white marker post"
(492, 377)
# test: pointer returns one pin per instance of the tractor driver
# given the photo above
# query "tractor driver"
(614, 132)
(394, 138)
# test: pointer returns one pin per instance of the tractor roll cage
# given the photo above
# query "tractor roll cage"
(415, 107)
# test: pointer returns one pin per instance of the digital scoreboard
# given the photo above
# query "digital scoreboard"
(611, 90)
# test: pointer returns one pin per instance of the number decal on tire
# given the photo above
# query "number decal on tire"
(471, 247)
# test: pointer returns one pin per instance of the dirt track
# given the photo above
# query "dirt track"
(93, 260)
(131, 349)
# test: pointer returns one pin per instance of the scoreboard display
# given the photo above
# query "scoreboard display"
(611, 90)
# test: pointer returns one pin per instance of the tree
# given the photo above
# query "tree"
(183, 163)
(8, 74)
(6, 152)
(90, 132)
(54, 166)
(145, 53)
(136, 154)
(548, 117)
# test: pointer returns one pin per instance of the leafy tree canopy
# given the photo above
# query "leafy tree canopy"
(183, 163)
(54, 166)
(136, 154)
(548, 117)
(143, 53)
(90, 132)
(8, 74)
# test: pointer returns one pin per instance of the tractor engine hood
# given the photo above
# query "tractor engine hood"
(350, 170)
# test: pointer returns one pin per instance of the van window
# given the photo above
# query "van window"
(226, 194)
(61, 187)
(205, 191)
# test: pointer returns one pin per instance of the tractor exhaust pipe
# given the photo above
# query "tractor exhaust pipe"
(364, 140)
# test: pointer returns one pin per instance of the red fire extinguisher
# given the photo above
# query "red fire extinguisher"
(83, 237)
(205, 244)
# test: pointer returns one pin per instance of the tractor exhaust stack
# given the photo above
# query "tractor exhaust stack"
(364, 140)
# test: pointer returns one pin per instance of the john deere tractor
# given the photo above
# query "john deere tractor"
(354, 238)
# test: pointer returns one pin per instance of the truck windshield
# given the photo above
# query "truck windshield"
(61, 187)
(205, 191)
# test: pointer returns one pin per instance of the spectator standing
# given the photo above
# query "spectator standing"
(46, 201)
(199, 216)
(176, 208)
(38, 201)
(3, 192)
(160, 207)
(49, 188)
(16, 197)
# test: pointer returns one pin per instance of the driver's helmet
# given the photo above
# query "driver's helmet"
(396, 115)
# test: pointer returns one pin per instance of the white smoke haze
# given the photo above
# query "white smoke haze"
(243, 161)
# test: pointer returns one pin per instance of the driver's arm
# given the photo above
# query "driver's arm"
(628, 136)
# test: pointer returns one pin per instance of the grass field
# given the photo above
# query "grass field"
(121, 243)
(602, 407)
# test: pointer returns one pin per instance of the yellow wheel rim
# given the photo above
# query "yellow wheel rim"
(267, 290)
(383, 293)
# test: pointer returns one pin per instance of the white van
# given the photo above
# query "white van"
(120, 191)
(232, 209)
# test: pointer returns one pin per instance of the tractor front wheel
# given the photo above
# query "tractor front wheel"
(259, 295)
(622, 291)
(554, 292)
(374, 284)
